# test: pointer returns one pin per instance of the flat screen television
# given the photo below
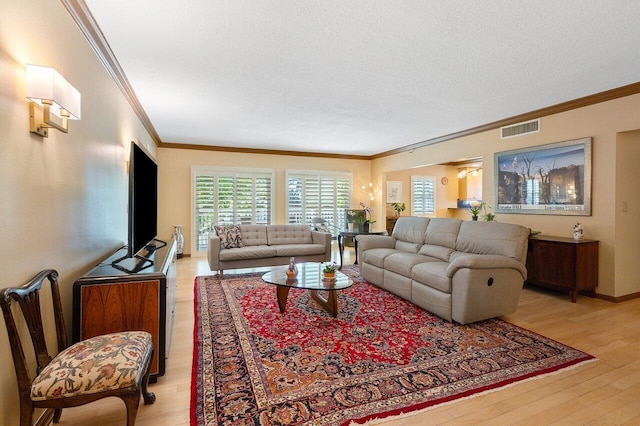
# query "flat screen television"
(143, 213)
(143, 200)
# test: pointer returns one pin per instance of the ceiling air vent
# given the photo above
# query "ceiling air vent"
(532, 126)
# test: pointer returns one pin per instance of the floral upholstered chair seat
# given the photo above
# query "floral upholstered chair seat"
(98, 364)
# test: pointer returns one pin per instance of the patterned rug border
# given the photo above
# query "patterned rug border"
(383, 417)
(405, 412)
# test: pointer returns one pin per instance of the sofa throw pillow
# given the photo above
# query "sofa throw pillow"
(230, 236)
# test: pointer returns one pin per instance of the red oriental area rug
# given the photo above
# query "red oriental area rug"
(381, 356)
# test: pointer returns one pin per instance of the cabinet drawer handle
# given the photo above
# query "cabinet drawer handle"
(490, 281)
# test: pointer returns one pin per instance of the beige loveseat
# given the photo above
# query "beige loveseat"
(461, 271)
(270, 245)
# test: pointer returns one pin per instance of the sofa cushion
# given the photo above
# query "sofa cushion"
(504, 239)
(433, 274)
(407, 247)
(440, 238)
(410, 229)
(230, 236)
(254, 235)
(376, 256)
(298, 249)
(250, 252)
(402, 263)
(288, 234)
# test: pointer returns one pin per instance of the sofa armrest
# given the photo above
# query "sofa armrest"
(213, 252)
(485, 261)
(324, 238)
(366, 242)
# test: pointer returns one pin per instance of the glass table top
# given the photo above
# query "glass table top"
(309, 277)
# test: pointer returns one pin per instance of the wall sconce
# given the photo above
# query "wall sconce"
(51, 92)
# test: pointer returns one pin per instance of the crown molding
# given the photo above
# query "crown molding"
(597, 98)
(82, 16)
(176, 145)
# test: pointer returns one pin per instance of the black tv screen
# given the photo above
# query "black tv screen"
(143, 199)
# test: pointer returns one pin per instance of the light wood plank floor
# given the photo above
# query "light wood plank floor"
(605, 392)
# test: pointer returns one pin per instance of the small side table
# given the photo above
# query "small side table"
(353, 234)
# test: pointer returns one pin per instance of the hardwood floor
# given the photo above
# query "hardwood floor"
(605, 392)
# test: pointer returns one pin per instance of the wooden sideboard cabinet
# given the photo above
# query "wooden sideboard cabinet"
(133, 294)
(563, 264)
(391, 222)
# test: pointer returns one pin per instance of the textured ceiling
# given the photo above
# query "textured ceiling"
(361, 77)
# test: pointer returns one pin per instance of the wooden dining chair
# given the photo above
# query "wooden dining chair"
(115, 364)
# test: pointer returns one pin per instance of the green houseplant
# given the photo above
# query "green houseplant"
(398, 207)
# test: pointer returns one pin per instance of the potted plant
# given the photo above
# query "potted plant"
(398, 207)
(475, 208)
(365, 222)
(488, 217)
(329, 270)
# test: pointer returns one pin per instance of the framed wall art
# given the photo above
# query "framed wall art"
(547, 179)
(394, 192)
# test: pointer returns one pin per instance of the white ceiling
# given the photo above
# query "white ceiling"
(361, 76)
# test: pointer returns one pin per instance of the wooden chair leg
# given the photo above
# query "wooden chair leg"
(131, 401)
(57, 413)
(149, 397)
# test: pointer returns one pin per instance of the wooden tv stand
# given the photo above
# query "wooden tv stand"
(109, 299)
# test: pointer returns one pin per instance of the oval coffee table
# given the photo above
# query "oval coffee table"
(310, 278)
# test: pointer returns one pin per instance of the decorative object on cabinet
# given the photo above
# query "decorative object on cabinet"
(179, 237)
(563, 264)
(110, 300)
(398, 207)
(546, 179)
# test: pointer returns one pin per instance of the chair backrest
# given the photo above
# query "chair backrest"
(28, 298)
(320, 224)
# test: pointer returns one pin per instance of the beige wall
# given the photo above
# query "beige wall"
(174, 197)
(603, 122)
(64, 198)
(627, 219)
(446, 195)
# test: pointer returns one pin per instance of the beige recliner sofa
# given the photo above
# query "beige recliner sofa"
(270, 245)
(461, 271)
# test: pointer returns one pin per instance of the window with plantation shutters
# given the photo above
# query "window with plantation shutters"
(423, 195)
(313, 194)
(225, 196)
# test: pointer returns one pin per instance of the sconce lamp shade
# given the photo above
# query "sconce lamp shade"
(46, 84)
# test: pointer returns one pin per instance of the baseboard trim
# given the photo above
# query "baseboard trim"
(618, 299)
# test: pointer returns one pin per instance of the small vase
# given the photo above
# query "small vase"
(578, 232)
(292, 270)
(365, 227)
(474, 218)
(329, 275)
(177, 234)
(350, 226)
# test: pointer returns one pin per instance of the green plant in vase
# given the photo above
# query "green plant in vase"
(329, 270)
(398, 207)
(475, 207)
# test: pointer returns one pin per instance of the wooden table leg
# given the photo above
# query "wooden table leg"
(330, 304)
(282, 292)
(340, 248)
